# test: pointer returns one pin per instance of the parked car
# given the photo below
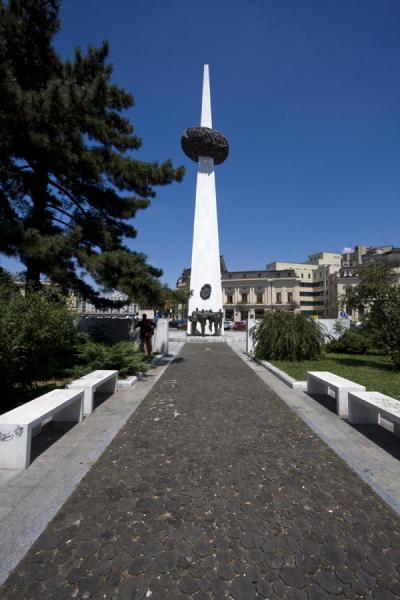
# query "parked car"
(228, 325)
(240, 326)
(176, 323)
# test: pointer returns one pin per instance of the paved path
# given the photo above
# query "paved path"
(215, 489)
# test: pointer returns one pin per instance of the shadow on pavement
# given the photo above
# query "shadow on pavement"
(99, 398)
(382, 437)
(49, 435)
(55, 430)
(325, 401)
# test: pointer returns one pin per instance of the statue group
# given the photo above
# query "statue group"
(201, 317)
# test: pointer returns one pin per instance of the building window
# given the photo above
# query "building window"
(229, 299)
(279, 298)
(259, 298)
(309, 276)
(259, 313)
(311, 303)
(244, 297)
(302, 275)
(244, 315)
(259, 275)
(244, 275)
(314, 284)
(290, 297)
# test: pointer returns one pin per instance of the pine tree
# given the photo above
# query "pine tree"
(68, 182)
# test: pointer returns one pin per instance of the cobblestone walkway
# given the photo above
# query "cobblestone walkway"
(215, 489)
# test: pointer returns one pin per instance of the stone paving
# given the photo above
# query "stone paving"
(215, 489)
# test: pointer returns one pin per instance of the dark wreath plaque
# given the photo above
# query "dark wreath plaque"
(205, 291)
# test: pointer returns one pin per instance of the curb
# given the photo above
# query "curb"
(287, 379)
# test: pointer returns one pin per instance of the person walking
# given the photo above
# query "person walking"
(146, 327)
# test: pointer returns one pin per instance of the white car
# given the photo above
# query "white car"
(228, 325)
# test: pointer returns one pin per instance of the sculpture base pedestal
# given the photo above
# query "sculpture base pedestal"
(206, 335)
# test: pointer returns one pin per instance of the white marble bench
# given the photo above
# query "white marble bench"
(367, 407)
(100, 381)
(320, 382)
(18, 426)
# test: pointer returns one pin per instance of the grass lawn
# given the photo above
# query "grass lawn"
(375, 372)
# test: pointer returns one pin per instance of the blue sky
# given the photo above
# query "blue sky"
(308, 94)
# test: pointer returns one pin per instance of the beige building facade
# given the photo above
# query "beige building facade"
(316, 287)
(248, 294)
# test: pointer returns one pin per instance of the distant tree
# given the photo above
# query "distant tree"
(68, 182)
(174, 300)
(379, 293)
(376, 281)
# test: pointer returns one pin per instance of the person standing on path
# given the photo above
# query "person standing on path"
(146, 327)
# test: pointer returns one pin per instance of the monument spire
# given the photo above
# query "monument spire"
(206, 120)
(207, 147)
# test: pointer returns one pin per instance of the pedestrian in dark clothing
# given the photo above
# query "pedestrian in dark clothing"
(146, 327)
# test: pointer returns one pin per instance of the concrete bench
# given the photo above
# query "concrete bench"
(320, 382)
(97, 381)
(18, 426)
(367, 407)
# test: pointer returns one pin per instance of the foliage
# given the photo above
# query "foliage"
(37, 338)
(375, 281)
(287, 336)
(39, 341)
(123, 356)
(68, 182)
(171, 300)
(339, 327)
(375, 372)
(378, 292)
(357, 340)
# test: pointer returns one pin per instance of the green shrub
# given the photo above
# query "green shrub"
(123, 356)
(37, 339)
(358, 341)
(287, 336)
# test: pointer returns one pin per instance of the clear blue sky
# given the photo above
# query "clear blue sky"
(308, 94)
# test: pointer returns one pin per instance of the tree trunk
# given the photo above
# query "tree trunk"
(37, 221)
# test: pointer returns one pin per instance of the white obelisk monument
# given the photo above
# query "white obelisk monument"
(208, 147)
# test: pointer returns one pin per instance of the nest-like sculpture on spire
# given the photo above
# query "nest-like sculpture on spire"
(203, 141)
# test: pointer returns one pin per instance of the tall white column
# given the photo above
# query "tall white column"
(205, 267)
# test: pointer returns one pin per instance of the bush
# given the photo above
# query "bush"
(287, 336)
(123, 356)
(358, 341)
(351, 342)
(37, 339)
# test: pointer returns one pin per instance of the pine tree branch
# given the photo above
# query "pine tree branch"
(62, 222)
(22, 167)
(63, 190)
(64, 212)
